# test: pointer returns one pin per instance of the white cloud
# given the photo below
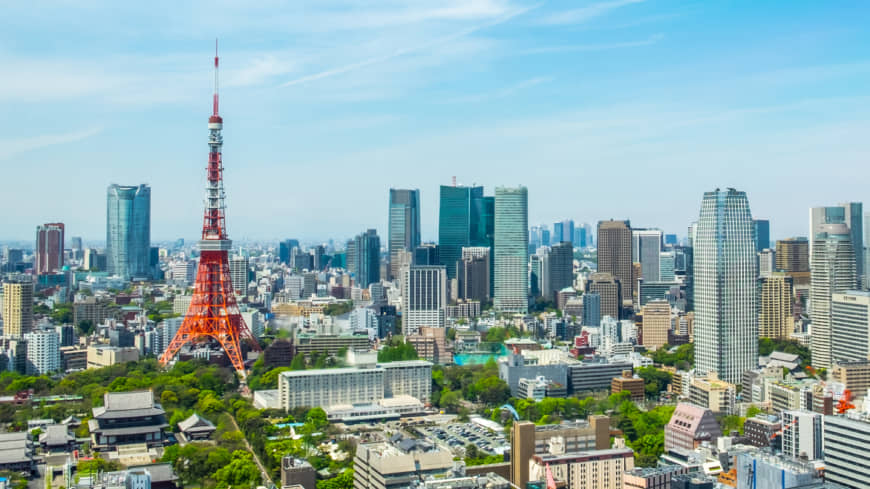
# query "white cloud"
(13, 147)
(584, 14)
(594, 47)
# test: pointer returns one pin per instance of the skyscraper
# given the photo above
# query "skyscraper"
(850, 214)
(128, 231)
(43, 351)
(563, 231)
(775, 318)
(726, 324)
(761, 232)
(364, 258)
(591, 309)
(424, 298)
(609, 298)
(511, 249)
(560, 269)
(793, 258)
(833, 271)
(48, 253)
(17, 308)
(404, 226)
(646, 248)
(285, 250)
(473, 274)
(614, 255)
(465, 218)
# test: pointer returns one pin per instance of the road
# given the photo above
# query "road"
(256, 458)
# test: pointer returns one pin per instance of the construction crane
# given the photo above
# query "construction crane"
(845, 402)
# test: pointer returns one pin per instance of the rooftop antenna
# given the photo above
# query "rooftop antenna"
(215, 108)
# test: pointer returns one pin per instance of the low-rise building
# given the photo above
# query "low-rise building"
(196, 428)
(389, 466)
(761, 430)
(100, 356)
(431, 344)
(298, 472)
(714, 394)
(854, 375)
(16, 452)
(652, 477)
(596, 469)
(627, 382)
(690, 426)
(595, 375)
(539, 388)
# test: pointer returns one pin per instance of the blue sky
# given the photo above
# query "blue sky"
(604, 109)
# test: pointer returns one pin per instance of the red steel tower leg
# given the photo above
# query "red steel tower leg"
(213, 312)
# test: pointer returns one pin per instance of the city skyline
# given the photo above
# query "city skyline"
(481, 90)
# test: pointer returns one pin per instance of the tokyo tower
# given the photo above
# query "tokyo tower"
(213, 312)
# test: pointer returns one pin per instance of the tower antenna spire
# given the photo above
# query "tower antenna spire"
(215, 108)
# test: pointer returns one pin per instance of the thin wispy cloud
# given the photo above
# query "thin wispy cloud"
(594, 47)
(13, 147)
(406, 51)
(584, 14)
(503, 92)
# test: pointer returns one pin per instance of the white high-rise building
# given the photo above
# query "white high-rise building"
(802, 434)
(726, 321)
(833, 271)
(424, 298)
(850, 327)
(43, 351)
(766, 263)
(646, 248)
(239, 274)
(511, 284)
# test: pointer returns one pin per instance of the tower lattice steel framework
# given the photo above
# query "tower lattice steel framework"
(213, 312)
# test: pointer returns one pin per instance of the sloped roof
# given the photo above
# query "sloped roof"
(55, 435)
(196, 423)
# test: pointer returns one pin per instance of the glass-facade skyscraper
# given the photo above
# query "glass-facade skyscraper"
(465, 218)
(761, 228)
(511, 249)
(128, 231)
(364, 258)
(726, 323)
(404, 225)
(833, 271)
(850, 214)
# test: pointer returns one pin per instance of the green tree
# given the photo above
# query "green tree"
(240, 472)
(342, 481)
(298, 363)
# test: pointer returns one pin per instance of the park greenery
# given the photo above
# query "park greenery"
(473, 383)
(397, 350)
(681, 357)
(766, 346)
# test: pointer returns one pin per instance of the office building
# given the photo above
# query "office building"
(595, 375)
(127, 418)
(563, 231)
(667, 264)
(404, 225)
(627, 382)
(239, 274)
(430, 343)
(597, 469)
(592, 309)
(609, 294)
(285, 250)
(94, 261)
(424, 254)
(614, 256)
(363, 385)
(833, 271)
(793, 258)
(776, 318)
(711, 393)
(766, 262)
(726, 321)
(465, 218)
(17, 308)
(757, 469)
(652, 477)
(364, 258)
(850, 326)
(473, 274)
(387, 466)
(854, 375)
(690, 426)
(424, 298)
(531, 365)
(511, 292)
(847, 450)
(802, 434)
(850, 214)
(762, 430)
(646, 248)
(529, 440)
(560, 269)
(48, 252)
(656, 324)
(299, 472)
(100, 356)
(43, 352)
(128, 231)
(761, 232)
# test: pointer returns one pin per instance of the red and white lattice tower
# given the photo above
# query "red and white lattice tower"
(213, 312)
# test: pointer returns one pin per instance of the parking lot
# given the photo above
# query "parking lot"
(458, 435)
